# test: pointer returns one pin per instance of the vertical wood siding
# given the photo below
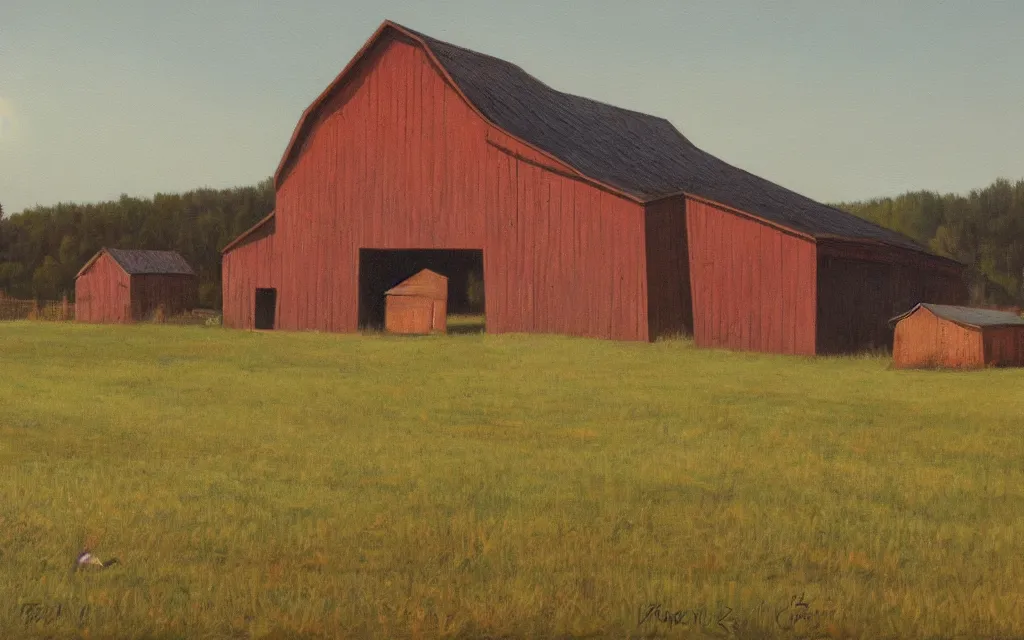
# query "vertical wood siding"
(106, 294)
(248, 266)
(861, 287)
(669, 304)
(1004, 346)
(398, 160)
(103, 293)
(415, 314)
(753, 286)
(175, 293)
(923, 340)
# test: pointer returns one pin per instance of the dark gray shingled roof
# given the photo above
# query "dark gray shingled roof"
(641, 155)
(969, 316)
(143, 261)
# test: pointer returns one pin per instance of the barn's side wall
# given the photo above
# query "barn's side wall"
(1004, 346)
(250, 265)
(398, 160)
(753, 285)
(861, 286)
(176, 293)
(103, 293)
(923, 340)
(669, 304)
(561, 256)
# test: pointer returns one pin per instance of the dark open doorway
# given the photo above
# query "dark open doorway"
(381, 269)
(266, 308)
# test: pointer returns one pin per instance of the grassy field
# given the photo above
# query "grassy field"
(273, 485)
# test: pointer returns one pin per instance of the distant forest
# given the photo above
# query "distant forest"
(41, 249)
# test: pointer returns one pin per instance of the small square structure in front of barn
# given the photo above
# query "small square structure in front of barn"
(936, 335)
(418, 305)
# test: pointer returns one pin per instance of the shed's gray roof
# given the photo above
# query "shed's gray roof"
(642, 155)
(968, 316)
(144, 261)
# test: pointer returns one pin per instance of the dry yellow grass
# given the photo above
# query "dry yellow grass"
(270, 485)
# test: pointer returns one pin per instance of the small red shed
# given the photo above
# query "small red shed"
(936, 335)
(418, 304)
(124, 286)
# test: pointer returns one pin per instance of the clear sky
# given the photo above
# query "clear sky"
(835, 99)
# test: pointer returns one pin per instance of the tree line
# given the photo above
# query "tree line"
(41, 249)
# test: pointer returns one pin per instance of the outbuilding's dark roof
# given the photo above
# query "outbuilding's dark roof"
(639, 154)
(144, 261)
(968, 316)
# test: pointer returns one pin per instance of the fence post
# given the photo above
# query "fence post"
(64, 307)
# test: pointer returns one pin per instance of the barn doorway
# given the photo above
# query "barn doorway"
(266, 308)
(382, 269)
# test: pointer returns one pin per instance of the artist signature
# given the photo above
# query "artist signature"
(799, 616)
(38, 612)
(796, 618)
(699, 618)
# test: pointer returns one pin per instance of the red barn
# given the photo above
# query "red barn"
(123, 286)
(585, 219)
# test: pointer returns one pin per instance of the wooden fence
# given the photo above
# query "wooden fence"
(52, 310)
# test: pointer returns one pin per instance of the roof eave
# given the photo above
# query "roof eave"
(740, 212)
(90, 262)
(96, 257)
(968, 325)
(248, 232)
(882, 243)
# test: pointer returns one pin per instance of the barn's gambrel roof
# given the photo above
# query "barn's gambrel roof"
(642, 157)
(144, 262)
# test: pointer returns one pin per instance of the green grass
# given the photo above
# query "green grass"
(314, 485)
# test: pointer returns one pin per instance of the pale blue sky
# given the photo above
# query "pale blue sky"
(834, 99)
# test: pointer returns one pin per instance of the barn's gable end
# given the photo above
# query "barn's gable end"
(350, 80)
(102, 291)
(395, 158)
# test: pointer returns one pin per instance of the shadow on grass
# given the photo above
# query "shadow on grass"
(464, 329)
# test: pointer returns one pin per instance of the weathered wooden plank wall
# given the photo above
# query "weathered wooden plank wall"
(250, 265)
(860, 287)
(415, 314)
(103, 293)
(753, 286)
(176, 293)
(922, 340)
(669, 305)
(1004, 346)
